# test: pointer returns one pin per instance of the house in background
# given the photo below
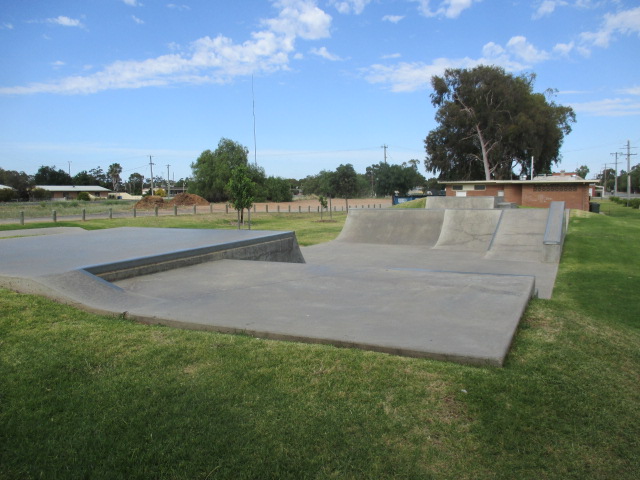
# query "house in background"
(70, 192)
(539, 192)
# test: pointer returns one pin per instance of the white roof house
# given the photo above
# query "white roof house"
(62, 192)
(4, 187)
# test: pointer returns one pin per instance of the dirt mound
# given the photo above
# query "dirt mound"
(150, 201)
(187, 199)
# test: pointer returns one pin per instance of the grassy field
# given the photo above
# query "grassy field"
(72, 207)
(86, 396)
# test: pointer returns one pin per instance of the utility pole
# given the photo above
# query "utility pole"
(168, 186)
(69, 162)
(385, 152)
(615, 188)
(629, 171)
(151, 164)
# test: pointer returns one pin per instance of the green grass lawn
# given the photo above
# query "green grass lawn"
(87, 396)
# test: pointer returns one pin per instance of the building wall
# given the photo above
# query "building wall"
(575, 196)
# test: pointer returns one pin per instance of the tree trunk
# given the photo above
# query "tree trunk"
(485, 154)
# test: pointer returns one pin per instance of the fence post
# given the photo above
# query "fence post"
(194, 210)
(226, 208)
(266, 207)
(110, 213)
(21, 217)
(84, 214)
(211, 208)
(299, 208)
(135, 213)
(254, 208)
(54, 215)
(175, 210)
(156, 210)
(278, 208)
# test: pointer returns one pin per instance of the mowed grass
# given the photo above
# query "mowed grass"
(71, 207)
(309, 227)
(87, 396)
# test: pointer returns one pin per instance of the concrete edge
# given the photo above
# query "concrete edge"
(281, 247)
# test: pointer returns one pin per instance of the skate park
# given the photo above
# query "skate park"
(447, 282)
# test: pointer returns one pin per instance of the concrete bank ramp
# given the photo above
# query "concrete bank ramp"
(393, 227)
(520, 235)
(523, 235)
(468, 229)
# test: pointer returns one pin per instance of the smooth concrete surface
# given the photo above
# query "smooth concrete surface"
(410, 299)
(31, 232)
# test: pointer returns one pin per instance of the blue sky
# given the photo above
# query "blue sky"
(88, 83)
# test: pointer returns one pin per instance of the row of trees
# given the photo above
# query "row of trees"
(608, 179)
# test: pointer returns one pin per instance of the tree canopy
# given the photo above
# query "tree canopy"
(50, 176)
(490, 122)
(213, 170)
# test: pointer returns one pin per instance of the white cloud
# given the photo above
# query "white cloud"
(391, 55)
(392, 18)
(624, 22)
(65, 21)
(178, 7)
(350, 6)
(609, 107)
(410, 77)
(132, 3)
(206, 60)
(300, 18)
(563, 49)
(58, 64)
(517, 55)
(137, 20)
(631, 90)
(446, 8)
(324, 53)
(6, 26)
(547, 7)
(522, 49)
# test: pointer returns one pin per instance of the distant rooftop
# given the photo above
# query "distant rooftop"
(73, 188)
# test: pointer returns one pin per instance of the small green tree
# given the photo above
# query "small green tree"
(84, 197)
(323, 205)
(240, 190)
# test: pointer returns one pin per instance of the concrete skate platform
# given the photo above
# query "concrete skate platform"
(434, 301)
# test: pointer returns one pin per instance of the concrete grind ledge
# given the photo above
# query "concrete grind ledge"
(378, 299)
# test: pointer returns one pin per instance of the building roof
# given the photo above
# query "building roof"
(5, 187)
(538, 179)
(73, 188)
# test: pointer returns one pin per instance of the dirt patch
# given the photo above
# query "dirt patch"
(150, 202)
(187, 200)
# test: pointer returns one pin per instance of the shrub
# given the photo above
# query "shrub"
(7, 194)
(160, 192)
(84, 197)
(40, 194)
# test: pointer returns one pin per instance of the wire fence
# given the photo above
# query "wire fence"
(56, 215)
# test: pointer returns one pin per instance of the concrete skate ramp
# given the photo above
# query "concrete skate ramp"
(393, 227)
(520, 235)
(391, 299)
(468, 229)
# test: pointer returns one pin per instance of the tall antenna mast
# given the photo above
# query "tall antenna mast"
(255, 148)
